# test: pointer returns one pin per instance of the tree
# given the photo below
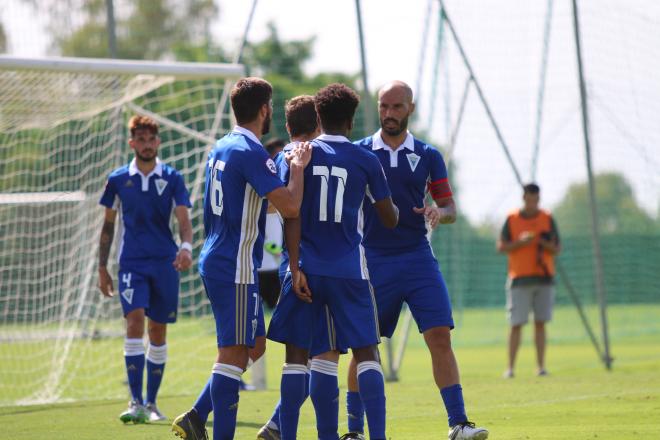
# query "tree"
(3, 39)
(618, 211)
(153, 29)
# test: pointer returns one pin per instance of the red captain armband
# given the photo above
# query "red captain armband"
(440, 189)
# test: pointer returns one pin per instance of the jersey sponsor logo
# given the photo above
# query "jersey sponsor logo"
(128, 295)
(160, 186)
(129, 183)
(413, 160)
(271, 166)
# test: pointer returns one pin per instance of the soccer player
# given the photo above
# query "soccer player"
(302, 125)
(401, 263)
(145, 190)
(269, 283)
(240, 176)
(530, 239)
(325, 243)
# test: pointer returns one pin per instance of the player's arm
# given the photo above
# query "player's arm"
(551, 242)
(444, 210)
(506, 243)
(105, 242)
(183, 259)
(292, 234)
(443, 213)
(287, 199)
(388, 213)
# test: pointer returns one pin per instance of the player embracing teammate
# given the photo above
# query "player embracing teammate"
(339, 216)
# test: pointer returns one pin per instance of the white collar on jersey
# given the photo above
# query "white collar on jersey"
(332, 138)
(133, 169)
(378, 143)
(246, 132)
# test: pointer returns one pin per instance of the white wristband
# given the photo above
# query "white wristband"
(186, 246)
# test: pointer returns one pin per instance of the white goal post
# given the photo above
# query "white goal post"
(62, 130)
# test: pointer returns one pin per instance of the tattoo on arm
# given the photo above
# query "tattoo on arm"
(107, 234)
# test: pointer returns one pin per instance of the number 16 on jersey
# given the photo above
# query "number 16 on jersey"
(216, 187)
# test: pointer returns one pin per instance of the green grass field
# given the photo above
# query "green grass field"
(579, 400)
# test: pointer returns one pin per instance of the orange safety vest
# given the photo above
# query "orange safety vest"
(525, 261)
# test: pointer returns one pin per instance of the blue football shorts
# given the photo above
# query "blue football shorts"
(341, 310)
(238, 312)
(152, 285)
(413, 278)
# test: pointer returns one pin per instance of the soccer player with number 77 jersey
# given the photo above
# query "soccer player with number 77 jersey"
(328, 273)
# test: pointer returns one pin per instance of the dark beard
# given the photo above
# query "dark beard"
(403, 126)
(265, 127)
(144, 158)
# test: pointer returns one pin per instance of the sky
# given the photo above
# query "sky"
(503, 41)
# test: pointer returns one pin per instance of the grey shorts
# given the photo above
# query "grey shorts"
(520, 300)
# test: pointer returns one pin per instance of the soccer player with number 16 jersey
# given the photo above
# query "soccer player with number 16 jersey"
(240, 177)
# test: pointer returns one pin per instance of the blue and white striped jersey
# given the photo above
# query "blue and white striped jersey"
(239, 174)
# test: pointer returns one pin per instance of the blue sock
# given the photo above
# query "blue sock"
(324, 391)
(204, 405)
(372, 392)
(355, 412)
(295, 381)
(134, 357)
(274, 422)
(156, 358)
(452, 396)
(224, 394)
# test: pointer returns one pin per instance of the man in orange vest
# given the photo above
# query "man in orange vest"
(531, 240)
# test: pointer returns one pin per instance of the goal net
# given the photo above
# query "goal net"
(500, 89)
(62, 130)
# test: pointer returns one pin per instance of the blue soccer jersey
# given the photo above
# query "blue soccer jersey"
(410, 170)
(239, 175)
(145, 204)
(336, 182)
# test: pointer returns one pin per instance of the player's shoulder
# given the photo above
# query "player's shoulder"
(546, 212)
(425, 148)
(119, 173)
(169, 172)
(366, 143)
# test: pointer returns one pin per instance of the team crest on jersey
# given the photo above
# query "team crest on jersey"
(271, 166)
(413, 160)
(160, 186)
(128, 295)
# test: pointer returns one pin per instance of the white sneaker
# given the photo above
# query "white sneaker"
(135, 413)
(154, 414)
(467, 430)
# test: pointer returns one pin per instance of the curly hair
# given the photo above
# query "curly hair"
(300, 114)
(335, 105)
(139, 122)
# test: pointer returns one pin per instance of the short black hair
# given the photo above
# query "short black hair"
(248, 96)
(274, 144)
(335, 105)
(300, 115)
(531, 188)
